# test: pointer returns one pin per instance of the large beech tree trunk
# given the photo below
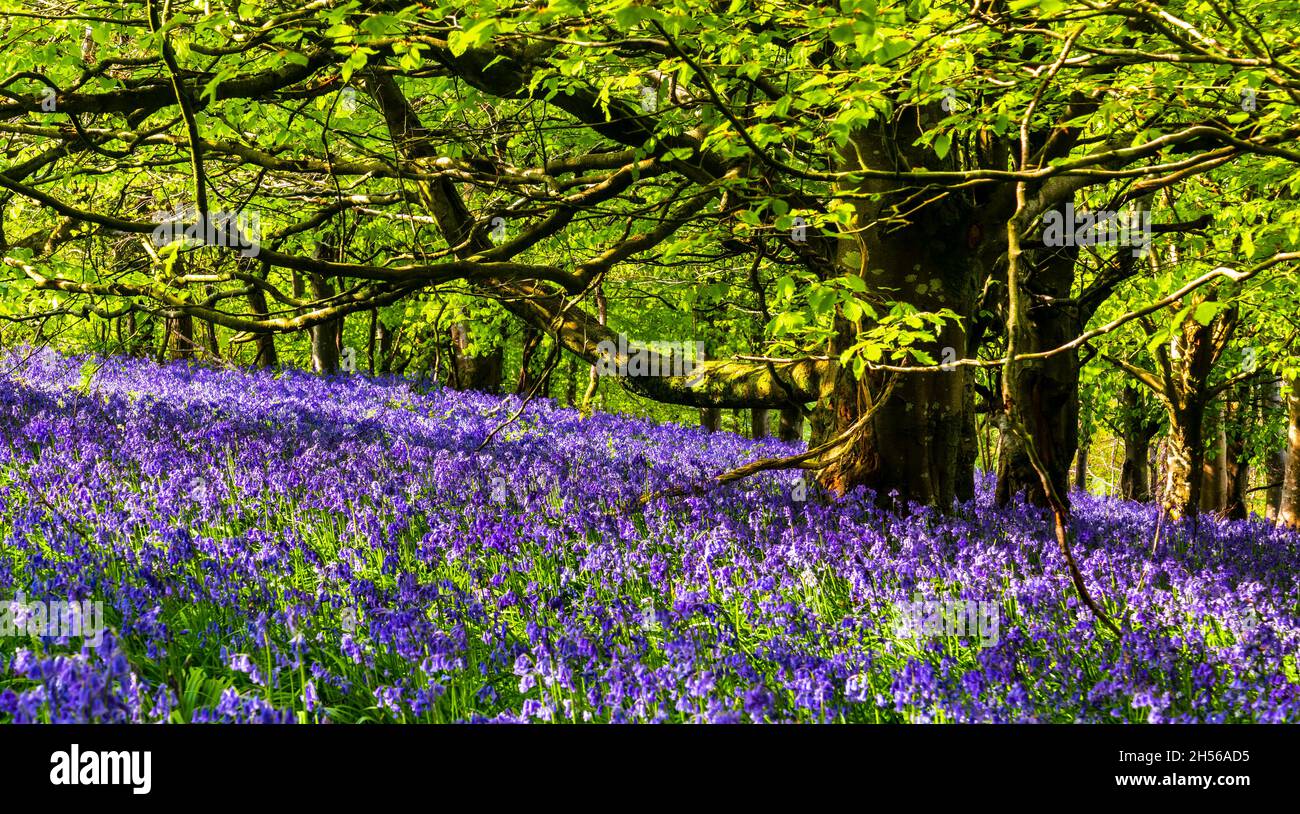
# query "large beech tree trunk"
(1184, 459)
(920, 442)
(916, 442)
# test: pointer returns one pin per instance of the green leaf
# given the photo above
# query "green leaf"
(942, 144)
(1207, 311)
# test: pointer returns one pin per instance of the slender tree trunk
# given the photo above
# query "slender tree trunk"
(1289, 511)
(1214, 486)
(180, 333)
(1236, 465)
(138, 339)
(1157, 461)
(265, 344)
(593, 373)
(1271, 399)
(386, 339)
(571, 382)
(1081, 469)
(480, 372)
(324, 336)
(531, 374)
(372, 340)
(210, 330)
(1191, 357)
(791, 426)
(758, 423)
(964, 486)
(529, 338)
(1048, 390)
(1135, 473)
(710, 417)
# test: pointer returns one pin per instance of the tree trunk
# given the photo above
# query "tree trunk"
(265, 343)
(532, 375)
(1236, 465)
(791, 426)
(1048, 390)
(916, 442)
(1214, 482)
(1289, 511)
(1271, 399)
(1191, 357)
(385, 338)
(711, 418)
(571, 382)
(135, 343)
(1081, 469)
(1137, 432)
(1184, 460)
(593, 373)
(758, 423)
(210, 330)
(480, 372)
(180, 333)
(1159, 462)
(372, 340)
(325, 335)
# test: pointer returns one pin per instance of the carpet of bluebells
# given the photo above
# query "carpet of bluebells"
(281, 547)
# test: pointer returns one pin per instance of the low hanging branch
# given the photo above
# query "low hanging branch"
(1017, 323)
(810, 459)
(551, 360)
(805, 460)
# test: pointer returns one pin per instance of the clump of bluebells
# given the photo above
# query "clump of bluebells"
(290, 548)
